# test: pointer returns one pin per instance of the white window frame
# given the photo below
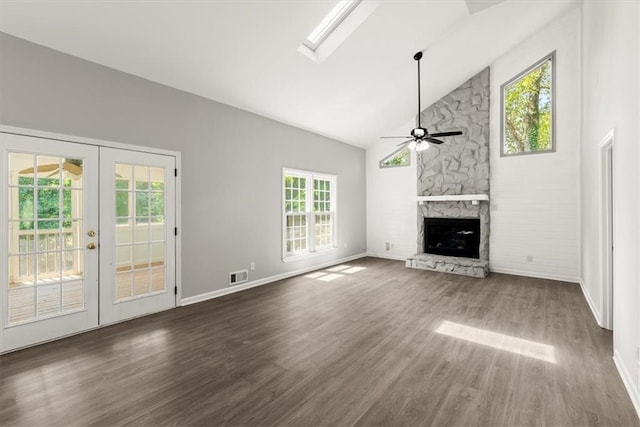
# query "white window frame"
(383, 164)
(503, 122)
(309, 213)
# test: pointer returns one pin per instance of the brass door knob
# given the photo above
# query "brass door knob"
(91, 246)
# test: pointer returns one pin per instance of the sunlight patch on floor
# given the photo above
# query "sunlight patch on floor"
(335, 272)
(331, 277)
(315, 275)
(515, 345)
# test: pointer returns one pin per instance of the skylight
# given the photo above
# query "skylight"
(330, 23)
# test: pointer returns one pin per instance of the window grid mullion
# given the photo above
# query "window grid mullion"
(310, 219)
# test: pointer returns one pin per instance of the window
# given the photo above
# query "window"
(309, 212)
(330, 22)
(528, 110)
(400, 157)
(140, 199)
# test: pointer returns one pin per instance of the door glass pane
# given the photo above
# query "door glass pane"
(141, 233)
(22, 305)
(157, 279)
(48, 299)
(124, 234)
(123, 285)
(72, 173)
(48, 167)
(141, 281)
(45, 196)
(72, 297)
(140, 212)
(141, 255)
(124, 176)
(20, 165)
(123, 258)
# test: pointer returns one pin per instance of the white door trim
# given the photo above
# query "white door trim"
(111, 144)
(605, 226)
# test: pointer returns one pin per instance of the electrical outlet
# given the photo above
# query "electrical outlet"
(529, 258)
(252, 266)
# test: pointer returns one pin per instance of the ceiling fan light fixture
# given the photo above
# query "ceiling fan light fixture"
(423, 145)
(412, 145)
(418, 132)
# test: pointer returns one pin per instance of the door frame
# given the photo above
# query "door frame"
(109, 144)
(606, 226)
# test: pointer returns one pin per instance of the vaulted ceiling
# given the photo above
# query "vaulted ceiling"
(244, 53)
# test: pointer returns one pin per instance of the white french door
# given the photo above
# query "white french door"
(137, 244)
(50, 258)
(89, 237)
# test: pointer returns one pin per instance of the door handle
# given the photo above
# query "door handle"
(91, 246)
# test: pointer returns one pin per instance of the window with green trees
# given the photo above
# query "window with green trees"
(49, 192)
(527, 110)
(400, 157)
(309, 211)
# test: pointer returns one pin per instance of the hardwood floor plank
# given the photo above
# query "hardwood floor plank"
(379, 345)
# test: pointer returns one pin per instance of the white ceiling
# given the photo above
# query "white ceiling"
(244, 53)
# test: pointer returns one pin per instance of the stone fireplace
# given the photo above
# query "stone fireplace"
(453, 182)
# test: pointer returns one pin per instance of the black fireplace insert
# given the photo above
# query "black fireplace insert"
(452, 237)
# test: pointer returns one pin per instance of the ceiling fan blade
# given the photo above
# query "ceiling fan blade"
(405, 142)
(388, 137)
(446, 134)
(41, 168)
(71, 168)
(434, 141)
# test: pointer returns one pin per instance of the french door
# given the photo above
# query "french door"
(89, 237)
(137, 243)
(50, 208)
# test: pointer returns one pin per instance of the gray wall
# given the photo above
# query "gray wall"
(231, 159)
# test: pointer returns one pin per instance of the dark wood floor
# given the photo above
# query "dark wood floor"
(361, 349)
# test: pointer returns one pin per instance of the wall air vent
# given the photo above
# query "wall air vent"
(237, 277)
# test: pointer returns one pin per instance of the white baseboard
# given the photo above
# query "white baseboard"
(233, 289)
(592, 306)
(387, 256)
(628, 382)
(547, 276)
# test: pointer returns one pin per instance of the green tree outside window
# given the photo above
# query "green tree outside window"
(48, 191)
(528, 111)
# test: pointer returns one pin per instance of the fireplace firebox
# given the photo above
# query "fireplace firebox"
(452, 237)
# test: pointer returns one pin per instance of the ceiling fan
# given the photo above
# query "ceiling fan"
(420, 137)
(72, 166)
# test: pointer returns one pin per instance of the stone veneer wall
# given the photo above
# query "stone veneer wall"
(459, 166)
